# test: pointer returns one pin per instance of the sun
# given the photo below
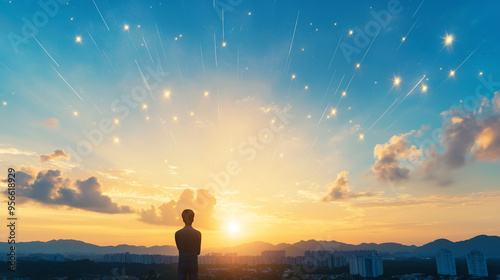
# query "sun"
(233, 227)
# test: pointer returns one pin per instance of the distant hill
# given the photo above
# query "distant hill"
(489, 245)
(68, 246)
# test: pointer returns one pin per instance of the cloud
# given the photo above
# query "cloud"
(169, 213)
(52, 123)
(50, 187)
(56, 154)
(487, 142)
(341, 191)
(466, 200)
(458, 137)
(390, 156)
(467, 136)
(496, 101)
(14, 151)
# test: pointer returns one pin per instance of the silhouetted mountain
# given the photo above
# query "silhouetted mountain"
(68, 246)
(489, 245)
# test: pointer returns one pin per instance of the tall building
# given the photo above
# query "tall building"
(366, 266)
(445, 261)
(476, 263)
(273, 257)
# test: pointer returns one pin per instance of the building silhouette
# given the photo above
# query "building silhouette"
(445, 261)
(366, 266)
(476, 264)
(321, 258)
(273, 257)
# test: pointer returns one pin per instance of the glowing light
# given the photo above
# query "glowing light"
(167, 94)
(138, 26)
(344, 93)
(452, 73)
(397, 81)
(302, 49)
(350, 32)
(4, 103)
(116, 140)
(358, 65)
(293, 76)
(174, 118)
(78, 39)
(424, 88)
(224, 44)
(192, 113)
(206, 93)
(147, 118)
(308, 116)
(116, 121)
(249, 13)
(176, 38)
(448, 40)
(180, 35)
(403, 39)
(233, 227)
(144, 106)
(306, 87)
(480, 73)
(75, 113)
(333, 112)
(361, 136)
(71, 19)
(126, 27)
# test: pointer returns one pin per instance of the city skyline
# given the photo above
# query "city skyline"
(274, 121)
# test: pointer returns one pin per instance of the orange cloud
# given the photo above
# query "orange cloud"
(56, 154)
(341, 191)
(169, 213)
(51, 188)
(52, 123)
(389, 157)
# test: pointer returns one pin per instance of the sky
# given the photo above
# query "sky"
(275, 121)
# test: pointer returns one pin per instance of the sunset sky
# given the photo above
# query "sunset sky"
(275, 121)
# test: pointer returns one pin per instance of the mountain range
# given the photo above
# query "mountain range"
(489, 245)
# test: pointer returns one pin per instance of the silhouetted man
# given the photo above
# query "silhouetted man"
(188, 242)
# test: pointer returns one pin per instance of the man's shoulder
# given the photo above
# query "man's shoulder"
(195, 230)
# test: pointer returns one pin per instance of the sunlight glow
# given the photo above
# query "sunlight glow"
(397, 81)
(233, 227)
(448, 40)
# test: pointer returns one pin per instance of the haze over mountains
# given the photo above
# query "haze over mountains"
(489, 245)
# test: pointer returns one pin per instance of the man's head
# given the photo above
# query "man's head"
(188, 216)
